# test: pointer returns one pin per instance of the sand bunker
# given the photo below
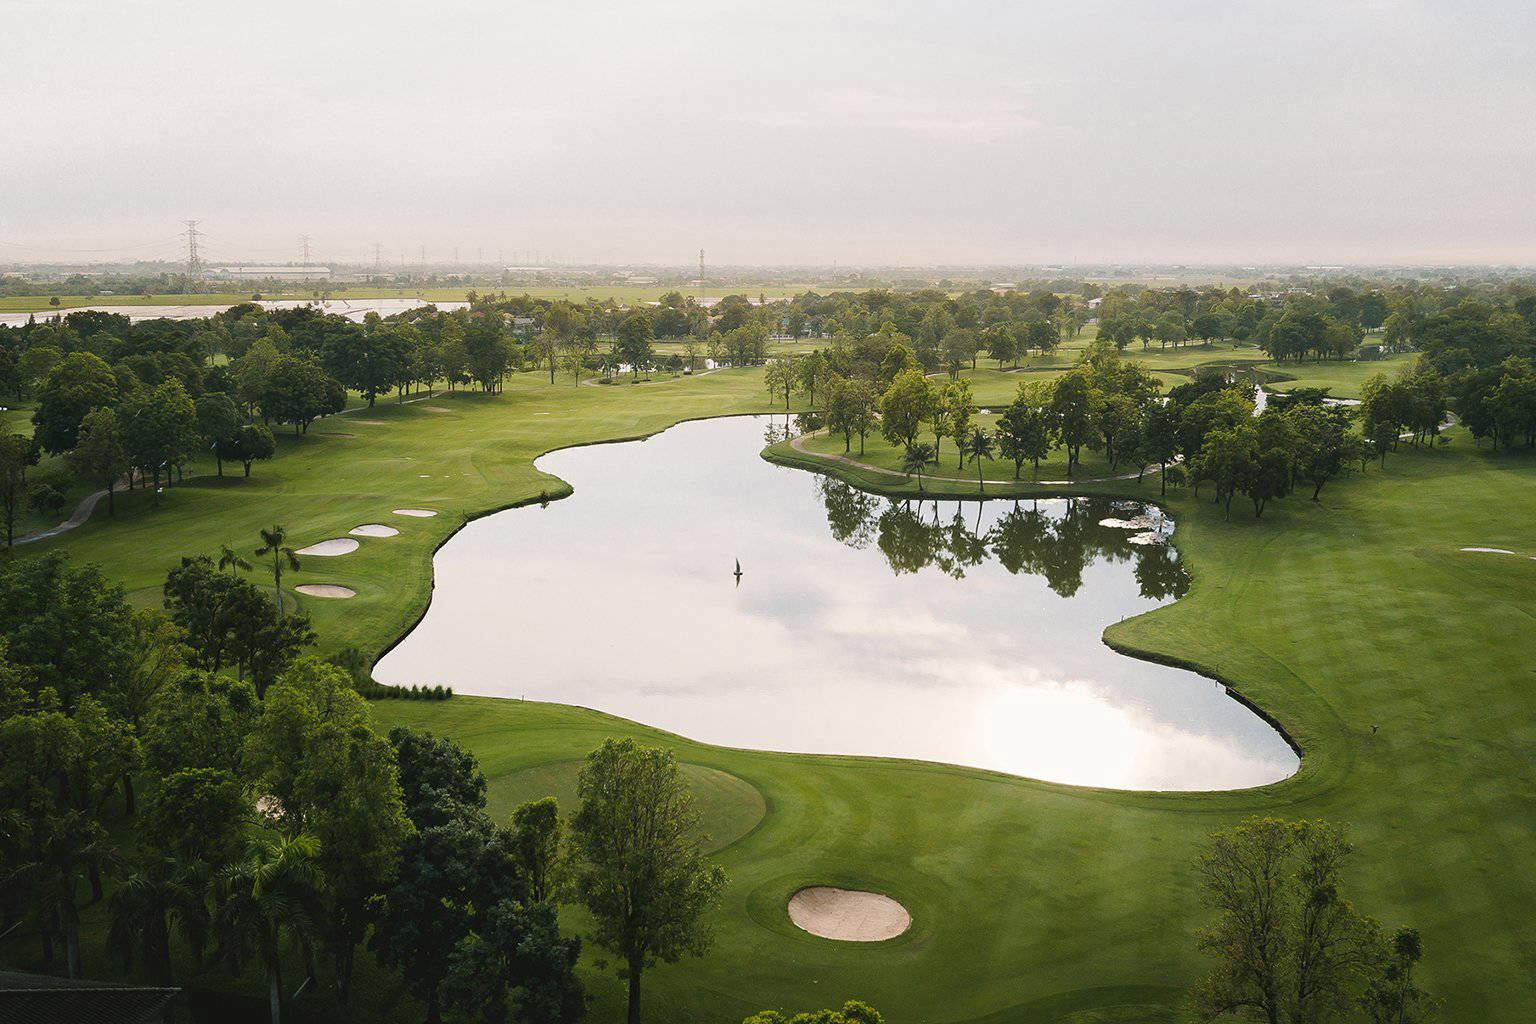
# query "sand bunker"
(369, 423)
(331, 548)
(374, 530)
(1491, 551)
(325, 590)
(848, 915)
(435, 408)
(417, 513)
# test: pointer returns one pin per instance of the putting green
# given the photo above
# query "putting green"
(729, 807)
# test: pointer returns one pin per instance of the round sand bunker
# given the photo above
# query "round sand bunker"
(325, 590)
(374, 530)
(848, 915)
(331, 548)
(418, 513)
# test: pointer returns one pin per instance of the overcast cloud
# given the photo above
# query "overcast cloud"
(774, 132)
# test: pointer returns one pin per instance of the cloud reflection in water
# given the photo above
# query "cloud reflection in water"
(964, 632)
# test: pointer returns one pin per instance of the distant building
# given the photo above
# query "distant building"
(1005, 286)
(271, 273)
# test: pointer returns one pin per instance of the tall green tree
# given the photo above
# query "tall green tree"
(272, 894)
(147, 908)
(959, 407)
(82, 382)
(903, 407)
(641, 872)
(915, 460)
(17, 453)
(315, 752)
(272, 543)
(159, 428)
(253, 442)
(634, 343)
(218, 424)
(979, 447)
(1074, 403)
(1289, 948)
(99, 455)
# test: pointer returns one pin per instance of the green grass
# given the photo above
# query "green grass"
(1342, 378)
(1031, 902)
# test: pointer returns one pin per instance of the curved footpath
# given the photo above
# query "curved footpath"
(799, 445)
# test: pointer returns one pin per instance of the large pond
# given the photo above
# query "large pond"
(964, 632)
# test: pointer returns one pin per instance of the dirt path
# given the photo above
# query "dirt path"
(81, 513)
(799, 445)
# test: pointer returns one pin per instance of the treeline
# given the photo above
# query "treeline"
(1203, 430)
(278, 832)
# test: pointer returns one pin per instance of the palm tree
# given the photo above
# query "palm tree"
(143, 910)
(229, 558)
(271, 894)
(979, 446)
(272, 543)
(64, 849)
(916, 460)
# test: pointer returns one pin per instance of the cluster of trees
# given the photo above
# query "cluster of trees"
(1025, 539)
(1289, 947)
(280, 829)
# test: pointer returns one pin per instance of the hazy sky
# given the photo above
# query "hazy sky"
(1317, 131)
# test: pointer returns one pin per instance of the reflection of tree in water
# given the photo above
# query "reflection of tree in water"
(1159, 572)
(850, 512)
(782, 427)
(908, 543)
(1027, 539)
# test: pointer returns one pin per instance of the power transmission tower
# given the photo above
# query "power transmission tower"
(423, 255)
(701, 276)
(194, 262)
(377, 256)
(304, 241)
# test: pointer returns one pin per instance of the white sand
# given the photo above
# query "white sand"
(436, 408)
(1491, 551)
(416, 513)
(368, 423)
(331, 548)
(325, 590)
(374, 530)
(848, 915)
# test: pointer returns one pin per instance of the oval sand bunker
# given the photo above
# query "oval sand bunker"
(325, 590)
(418, 513)
(848, 915)
(331, 548)
(374, 530)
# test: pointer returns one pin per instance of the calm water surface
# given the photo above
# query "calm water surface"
(964, 632)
